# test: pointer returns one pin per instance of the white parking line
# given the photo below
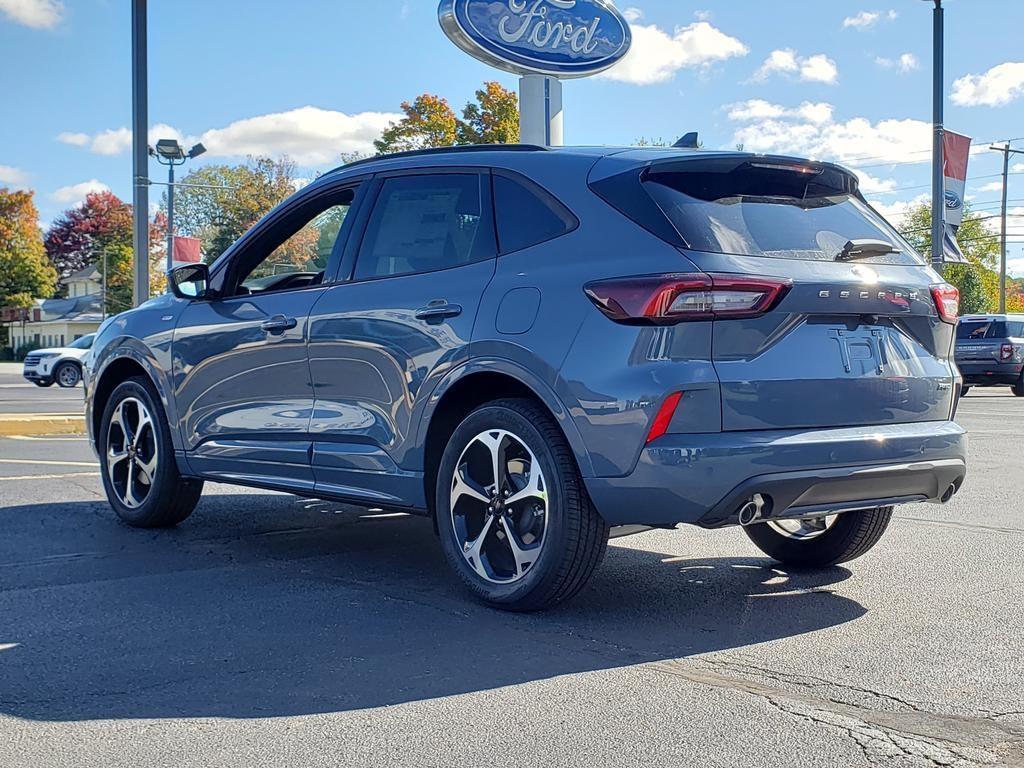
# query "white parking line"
(50, 477)
(47, 439)
(44, 463)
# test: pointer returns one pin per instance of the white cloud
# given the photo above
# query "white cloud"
(75, 193)
(38, 14)
(1000, 85)
(992, 186)
(1017, 168)
(632, 14)
(74, 139)
(793, 131)
(702, 15)
(909, 62)
(112, 142)
(15, 178)
(896, 212)
(656, 55)
(872, 185)
(758, 109)
(818, 68)
(308, 135)
(867, 19)
(1015, 267)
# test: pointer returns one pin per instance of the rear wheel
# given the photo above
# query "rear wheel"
(1018, 388)
(821, 541)
(140, 474)
(67, 375)
(964, 391)
(514, 519)
(41, 383)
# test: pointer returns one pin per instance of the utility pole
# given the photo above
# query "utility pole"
(1007, 151)
(140, 151)
(938, 182)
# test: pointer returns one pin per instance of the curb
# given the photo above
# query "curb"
(34, 424)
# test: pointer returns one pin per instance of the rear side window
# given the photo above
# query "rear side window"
(422, 224)
(975, 330)
(526, 215)
(769, 209)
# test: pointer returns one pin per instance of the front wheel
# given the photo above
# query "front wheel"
(140, 474)
(67, 375)
(821, 541)
(514, 519)
(41, 383)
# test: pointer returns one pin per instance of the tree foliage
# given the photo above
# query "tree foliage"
(98, 231)
(429, 121)
(219, 203)
(977, 281)
(25, 272)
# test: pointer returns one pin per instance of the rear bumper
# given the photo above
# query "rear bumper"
(990, 373)
(705, 479)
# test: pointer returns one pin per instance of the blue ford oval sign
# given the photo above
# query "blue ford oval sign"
(561, 38)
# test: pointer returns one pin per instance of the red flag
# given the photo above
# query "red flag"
(187, 250)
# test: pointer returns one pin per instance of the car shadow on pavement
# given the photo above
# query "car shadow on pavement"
(266, 606)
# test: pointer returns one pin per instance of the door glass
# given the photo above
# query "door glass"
(303, 249)
(422, 224)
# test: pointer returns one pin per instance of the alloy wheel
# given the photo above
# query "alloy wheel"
(68, 376)
(132, 452)
(499, 506)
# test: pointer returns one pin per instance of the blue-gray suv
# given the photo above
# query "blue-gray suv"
(538, 348)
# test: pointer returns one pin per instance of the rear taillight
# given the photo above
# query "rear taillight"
(947, 302)
(667, 299)
(1005, 353)
(664, 417)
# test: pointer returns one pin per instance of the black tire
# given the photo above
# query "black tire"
(39, 383)
(1018, 388)
(67, 375)
(850, 536)
(964, 391)
(575, 536)
(170, 498)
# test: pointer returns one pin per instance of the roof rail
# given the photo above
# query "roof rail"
(460, 149)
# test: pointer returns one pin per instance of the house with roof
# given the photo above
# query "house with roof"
(58, 322)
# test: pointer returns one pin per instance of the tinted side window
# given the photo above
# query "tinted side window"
(524, 217)
(422, 224)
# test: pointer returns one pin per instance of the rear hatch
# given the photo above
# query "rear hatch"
(857, 338)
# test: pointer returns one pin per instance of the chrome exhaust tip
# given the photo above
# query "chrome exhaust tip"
(752, 510)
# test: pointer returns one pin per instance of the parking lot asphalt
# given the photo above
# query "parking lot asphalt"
(17, 395)
(269, 630)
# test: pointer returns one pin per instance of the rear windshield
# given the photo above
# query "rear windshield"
(974, 330)
(770, 209)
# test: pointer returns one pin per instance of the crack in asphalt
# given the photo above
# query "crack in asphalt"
(918, 735)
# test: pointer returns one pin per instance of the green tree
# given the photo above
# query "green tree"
(219, 203)
(429, 122)
(492, 119)
(25, 272)
(978, 281)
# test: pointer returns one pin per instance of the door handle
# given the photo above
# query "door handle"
(279, 324)
(436, 311)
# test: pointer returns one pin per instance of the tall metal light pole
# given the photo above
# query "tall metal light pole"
(140, 156)
(938, 184)
(170, 153)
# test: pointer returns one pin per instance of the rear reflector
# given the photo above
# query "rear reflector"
(947, 302)
(668, 409)
(667, 299)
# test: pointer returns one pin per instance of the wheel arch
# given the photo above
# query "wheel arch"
(125, 363)
(472, 385)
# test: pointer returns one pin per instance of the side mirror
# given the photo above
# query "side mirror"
(190, 281)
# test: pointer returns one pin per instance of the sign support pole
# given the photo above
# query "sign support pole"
(938, 184)
(140, 154)
(540, 110)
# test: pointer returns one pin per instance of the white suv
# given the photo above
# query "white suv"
(59, 364)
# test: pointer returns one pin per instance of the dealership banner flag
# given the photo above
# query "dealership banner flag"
(956, 151)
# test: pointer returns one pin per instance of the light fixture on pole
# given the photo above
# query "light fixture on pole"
(170, 153)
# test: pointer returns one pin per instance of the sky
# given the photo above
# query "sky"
(841, 80)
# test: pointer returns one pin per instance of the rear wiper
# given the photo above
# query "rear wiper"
(860, 249)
